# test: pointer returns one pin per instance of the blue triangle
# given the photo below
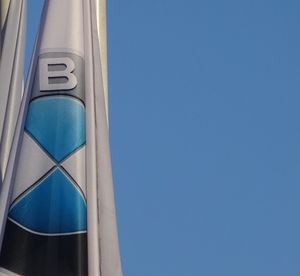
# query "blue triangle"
(54, 206)
(58, 124)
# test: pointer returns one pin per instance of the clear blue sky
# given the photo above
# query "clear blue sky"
(205, 135)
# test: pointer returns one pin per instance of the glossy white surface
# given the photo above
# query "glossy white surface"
(33, 164)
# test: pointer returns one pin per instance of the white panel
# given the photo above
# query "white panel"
(11, 75)
(64, 27)
(33, 164)
(75, 166)
(102, 228)
(4, 4)
(101, 24)
(4, 272)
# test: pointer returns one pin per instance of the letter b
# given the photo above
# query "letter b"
(57, 74)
